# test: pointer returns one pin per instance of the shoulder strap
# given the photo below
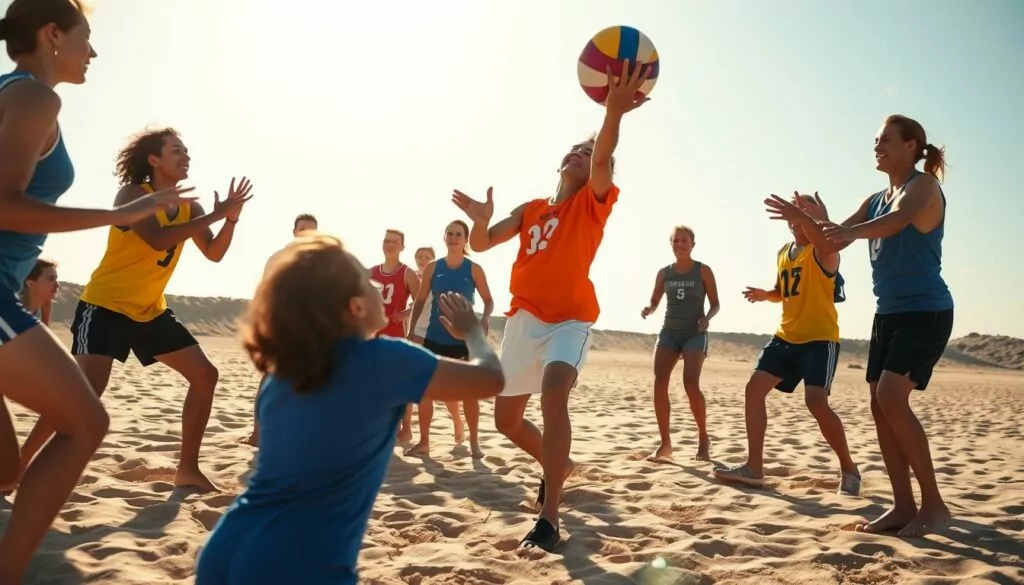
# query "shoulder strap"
(12, 77)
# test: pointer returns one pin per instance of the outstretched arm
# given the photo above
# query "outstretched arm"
(483, 238)
(163, 237)
(213, 247)
(917, 197)
(622, 98)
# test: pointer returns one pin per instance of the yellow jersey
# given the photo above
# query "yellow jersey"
(808, 297)
(132, 276)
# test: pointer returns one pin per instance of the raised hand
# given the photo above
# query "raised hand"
(238, 196)
(838, 234)
(815, 209)
(478, 212)
(457, 315)
(779, 208)
(755, 295)
(624, 93)
(147, 205)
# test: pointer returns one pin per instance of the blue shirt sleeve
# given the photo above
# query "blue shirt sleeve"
(404, 369)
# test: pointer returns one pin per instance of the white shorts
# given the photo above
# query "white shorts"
(530, 344)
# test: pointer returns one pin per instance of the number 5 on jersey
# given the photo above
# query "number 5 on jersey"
(539, 236)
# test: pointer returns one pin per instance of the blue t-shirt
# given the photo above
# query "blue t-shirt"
(906, 267)
(448, 280)
(322, 457)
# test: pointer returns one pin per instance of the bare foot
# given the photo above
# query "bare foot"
(194, 478)
(474, 450)
(420, 448)
(891, 521)
(460, 433)
(703, 450)
(404, 435)
(928, 520)
(662, 453)
(252, 439)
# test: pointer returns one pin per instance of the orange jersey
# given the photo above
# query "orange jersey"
(557, 245)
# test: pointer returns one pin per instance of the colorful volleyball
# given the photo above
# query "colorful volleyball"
(608, 49)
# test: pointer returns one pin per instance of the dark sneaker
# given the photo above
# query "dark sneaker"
(543, 536)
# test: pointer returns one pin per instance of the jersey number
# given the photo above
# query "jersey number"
(388, 292)
(539, 236)
(166, 261)
(791, 282)
(680, 293)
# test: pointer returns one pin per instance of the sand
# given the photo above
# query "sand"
(455, 520)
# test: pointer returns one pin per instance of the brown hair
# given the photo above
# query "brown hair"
(41, 265)
(934, 156)
(24, 18)
(430, 249)
(398, 233)
(593, 138)
(132, 164)
(465, 230)
(683, 228)
(304, 217)
(301, 307)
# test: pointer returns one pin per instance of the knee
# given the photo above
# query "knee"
(661, 380)
(507, 423)
(889, 402)
(817, 403)
(692, 387)
(90, 425)
(754, 391)
(205, 376)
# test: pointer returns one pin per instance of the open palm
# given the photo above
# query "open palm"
(478, 211)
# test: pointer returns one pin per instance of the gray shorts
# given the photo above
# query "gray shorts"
(680, 341)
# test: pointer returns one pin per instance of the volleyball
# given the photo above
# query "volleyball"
(608, 49)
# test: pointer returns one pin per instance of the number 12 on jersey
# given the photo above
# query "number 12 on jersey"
(790, 281)
(539, 236)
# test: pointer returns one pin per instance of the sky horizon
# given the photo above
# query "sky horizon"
(369, 121)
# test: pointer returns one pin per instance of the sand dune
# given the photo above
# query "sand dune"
(453, 520)
(216, 316)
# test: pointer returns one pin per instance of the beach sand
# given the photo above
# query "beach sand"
(455, 520)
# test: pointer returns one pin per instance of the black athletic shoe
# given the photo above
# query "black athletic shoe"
(543, 536)
(540, 493)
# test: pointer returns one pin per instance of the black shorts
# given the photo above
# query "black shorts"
(99, 331)
(456, 352)
(908, 344)
(813, 362)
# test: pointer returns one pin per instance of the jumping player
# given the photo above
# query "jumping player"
(304, 222)
(123, 309)
(548, 331)
(904, 225)
(40, 289)
(48, 40)
(805, 347)
(335, 386)
(686, 284)
(398, 284)
(455, 273)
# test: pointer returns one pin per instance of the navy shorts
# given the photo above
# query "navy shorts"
(457, 351)
(680, 341)
(99, 331)
(908, 344)
(14, 318)
(813, 362)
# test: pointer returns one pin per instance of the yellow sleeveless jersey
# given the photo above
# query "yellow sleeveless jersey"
(808, 298)
(131, 277)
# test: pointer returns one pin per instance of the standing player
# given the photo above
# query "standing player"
(548, 330)
(805, 347)
(123, 309)
(304, 222)
(40, 289)
(684, 336)
(904, 225)
(398, 284)
(49, 44)
(455, 273)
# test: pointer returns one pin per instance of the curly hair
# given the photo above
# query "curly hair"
(132, 166)
(301, 308)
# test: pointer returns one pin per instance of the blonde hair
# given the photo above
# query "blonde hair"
(687, 229)
(398, 233)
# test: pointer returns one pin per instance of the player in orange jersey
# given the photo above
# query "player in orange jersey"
(548, 331)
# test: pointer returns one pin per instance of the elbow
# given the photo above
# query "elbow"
(494, 381)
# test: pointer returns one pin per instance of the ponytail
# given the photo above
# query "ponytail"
(935, 161)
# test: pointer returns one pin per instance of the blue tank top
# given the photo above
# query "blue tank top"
(446, 280)
(906, 268)
(52, 176)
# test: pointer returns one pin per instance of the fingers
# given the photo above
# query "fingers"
(451, 328)
(490, 195)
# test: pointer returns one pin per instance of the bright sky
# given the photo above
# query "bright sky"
(369, 114)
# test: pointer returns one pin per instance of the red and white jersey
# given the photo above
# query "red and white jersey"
(396, 296)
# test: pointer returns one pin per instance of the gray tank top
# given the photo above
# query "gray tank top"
(685, 293)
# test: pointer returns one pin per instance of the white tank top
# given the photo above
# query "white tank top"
(421, 325)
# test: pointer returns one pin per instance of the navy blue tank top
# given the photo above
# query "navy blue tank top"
(906, 268)
(446, 280)
(53, 175)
